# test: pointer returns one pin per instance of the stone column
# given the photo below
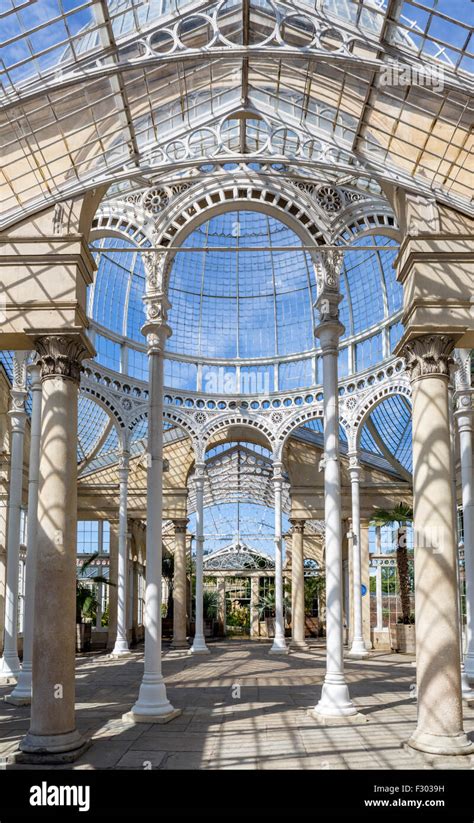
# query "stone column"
(335, 700)
(153, 705)
(357, 650)
(297, 585)
(10, 663)
(440, 726)
(52, 736)
(254, 606)
(21, 694)
(121, 643)
(465, 422)
(199, 643)
(179, 586)
(279, 643)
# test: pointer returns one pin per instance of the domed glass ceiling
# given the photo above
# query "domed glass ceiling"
(246, 307)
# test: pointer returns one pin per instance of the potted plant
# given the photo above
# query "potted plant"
(209, 611)
(86, 603)
(402, 633)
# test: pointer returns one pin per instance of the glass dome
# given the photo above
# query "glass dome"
(242, 308)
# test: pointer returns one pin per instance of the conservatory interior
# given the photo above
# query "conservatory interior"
(236, 384)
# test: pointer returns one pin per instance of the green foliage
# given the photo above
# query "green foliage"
(209, 605)
(401, 514)
(238, 616)
(314, 589)
(86, 600)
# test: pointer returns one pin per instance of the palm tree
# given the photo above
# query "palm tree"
(86, 601)
(401, 514)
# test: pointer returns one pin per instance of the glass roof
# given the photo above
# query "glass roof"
(95, 92)
(242, 306)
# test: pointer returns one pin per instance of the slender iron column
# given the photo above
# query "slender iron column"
(358, 650)
(10, 663)
(153, 705)
(335, 700)
(121, 643)
(465, 422)
(199, 643)
(279, 643)
(21, 694)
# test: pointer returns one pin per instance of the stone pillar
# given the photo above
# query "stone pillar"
(335, 700)
(465, 422)
(279, 644)
(440, 725)
(199, 643)
(153, 705)
(179, 586)
(221, 605)
(52, 736)
(121, 643)
(254, 606)
(21, 694)
(357, 650)
(10, 663)
(297, 585)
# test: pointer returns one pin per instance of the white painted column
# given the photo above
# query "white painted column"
(378, 597)
(121, 643)
(358, 650)
(335, 700)
(440, 717)
(52, 736)
(21, 694)
(10, 663)
(465, 423)
(279, 644)
(153, 705)
(199, 643)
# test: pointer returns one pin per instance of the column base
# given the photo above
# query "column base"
(299, 645)
(132, 717)
(51, 749)
(279, 647)
(199, 646)
(120, 649)
(17, 700)
(453, 745)
(358, 650)
(152, 705)
(10, 668)
(335, 701)
(21, 694)
(179, 644)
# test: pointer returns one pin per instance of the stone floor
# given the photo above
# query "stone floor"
(242, 709)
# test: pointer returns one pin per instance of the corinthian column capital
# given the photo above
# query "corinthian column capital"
(61, 355)
(428, 356)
